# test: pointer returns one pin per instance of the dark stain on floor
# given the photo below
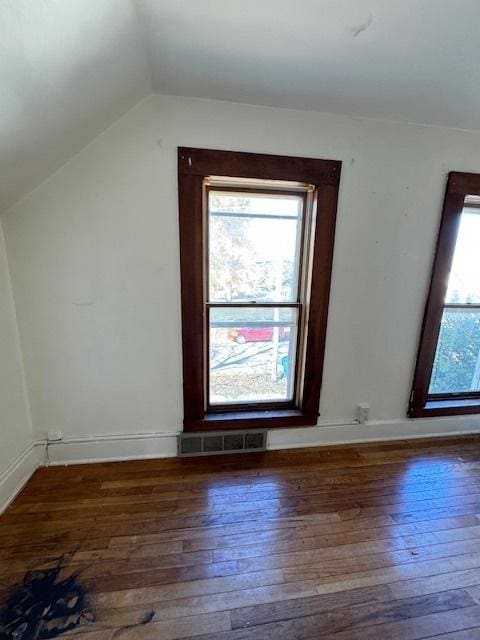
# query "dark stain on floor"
(44, 606)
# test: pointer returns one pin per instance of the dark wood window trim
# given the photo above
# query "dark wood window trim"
(459, 185)
(194, 166)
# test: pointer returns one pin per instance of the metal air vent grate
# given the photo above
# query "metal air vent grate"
(218, 442)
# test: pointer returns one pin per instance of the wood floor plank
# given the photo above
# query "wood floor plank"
(278, 611)
(418, 628)
(331, 562)
(188, 627)
(466, 578)
(188, 588)
(457, 566)
(374, 543)
(112, 580)
(466, 634)
(210, 603)
(377, 619)
(321, 536)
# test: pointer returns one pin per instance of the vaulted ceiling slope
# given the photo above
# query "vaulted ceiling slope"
(69, 68)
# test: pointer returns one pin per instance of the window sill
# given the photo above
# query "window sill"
(449, 407)
(273, 419)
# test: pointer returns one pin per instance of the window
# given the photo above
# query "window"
(254, 294)
(256, 242)
(447, 377)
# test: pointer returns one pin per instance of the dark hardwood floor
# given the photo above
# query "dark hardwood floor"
(366, 542)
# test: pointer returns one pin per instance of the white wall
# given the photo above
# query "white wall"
(15, 427)
(95, 262)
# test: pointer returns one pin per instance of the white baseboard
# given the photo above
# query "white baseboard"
(375, 431)
(17, 474)
(117, 447)
(112, 448)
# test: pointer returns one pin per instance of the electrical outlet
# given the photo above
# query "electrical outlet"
(363, 412)
(54, 436)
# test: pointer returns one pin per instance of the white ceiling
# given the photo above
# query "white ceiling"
(68, 68)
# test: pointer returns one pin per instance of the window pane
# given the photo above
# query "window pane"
(252, 354)
(456, 367)
(464, 281)
(254, 246)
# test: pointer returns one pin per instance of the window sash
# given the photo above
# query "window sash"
(461, 305)
(305, 221)
(299, 336)
(463, 277)
(467, 306)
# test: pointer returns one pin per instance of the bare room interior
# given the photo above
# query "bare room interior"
(239, 320)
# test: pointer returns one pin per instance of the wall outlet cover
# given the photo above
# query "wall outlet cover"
(54, 435)
(363, 412)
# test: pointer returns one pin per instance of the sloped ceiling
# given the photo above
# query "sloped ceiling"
(68, 68)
